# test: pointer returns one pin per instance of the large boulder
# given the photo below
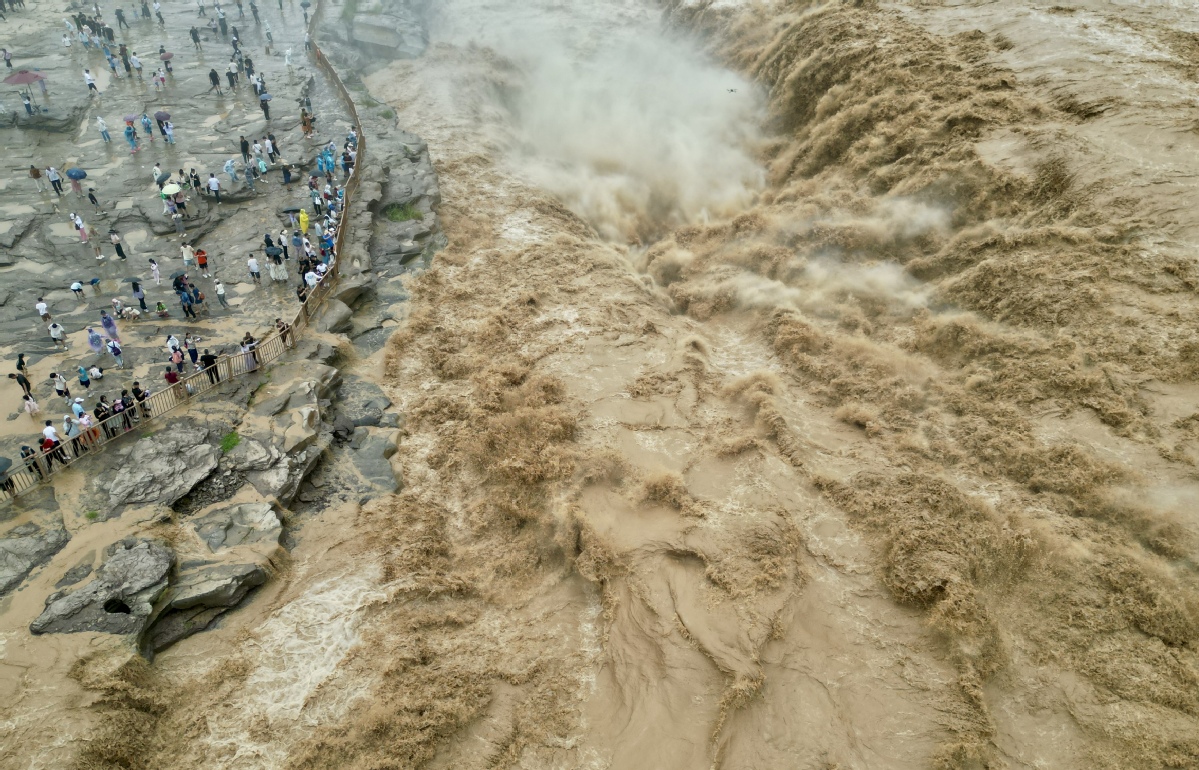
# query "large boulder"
(282, 481)
(246, 524)
(371, 453)
(25, 547)
(163, 467)
(251, 455)
(123, 598)
(337, 317)
(215, 585)
(361, 403)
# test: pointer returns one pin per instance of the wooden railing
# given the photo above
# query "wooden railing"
(28, 473)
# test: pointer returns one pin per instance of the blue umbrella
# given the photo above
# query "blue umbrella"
(76, 173)
(265, 98)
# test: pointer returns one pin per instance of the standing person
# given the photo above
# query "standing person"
(131, 137)
(177, 359)
(90, 79)
(140, 397)
(139, 295)
(35, 174)
(266, 108)
(195, 35)
(136, 63)
(252, 263)
(155, 273)
(283, 243)
(284, 332)
(245, 150)
(214, 186)
(230, 168)
(172, 379)
(30, 406)
(110, 326)
(220, 293)
(43, 310)
(248, 344)
(58, 335)
(208, 364)
(115, 238)
(60, 386)
(215, 79)
(195, 182)
(202, 262)
(168, 130)
(186, 302)
(270, 149)
(114, 350)
(23, 381)
(85, 381)
(231, 75)
(193, 352)
(55, 179)
(91, 197)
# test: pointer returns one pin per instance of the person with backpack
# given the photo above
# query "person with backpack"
(186, 302)
(177, 359)
(114, 350)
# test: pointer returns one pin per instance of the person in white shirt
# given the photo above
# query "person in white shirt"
(49, 432)
(254, 272)
(214, 186)
(43, 309)
(136, 63)
(220, 292)
(91, 81)
(311, 279)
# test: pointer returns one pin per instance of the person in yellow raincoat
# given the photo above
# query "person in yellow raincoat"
(304, 221)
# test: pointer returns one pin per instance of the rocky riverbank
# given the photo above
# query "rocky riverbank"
(161, 535)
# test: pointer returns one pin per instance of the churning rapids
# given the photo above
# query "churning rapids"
(804, 386)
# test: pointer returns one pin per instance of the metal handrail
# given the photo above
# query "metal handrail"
(34, 471)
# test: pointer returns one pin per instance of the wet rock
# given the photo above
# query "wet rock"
(123, 598)
(283, 481)
(24, 548)
(317, 350)
(353, 288)
(77, 573)
(371, 454)
(214, 585)
(273, 406)
(337, 317)
(247, 524)
(180, 624)
(361, 402)
(251, 455)
(164, 467)
(303, 429)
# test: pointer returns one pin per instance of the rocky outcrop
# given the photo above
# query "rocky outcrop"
(371, 452)
(163, 467)
(336, 317)
(123, 598)
(25, 547)
(243, 540)
(247, 524)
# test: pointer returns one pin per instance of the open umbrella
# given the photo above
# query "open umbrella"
(178, 273)
(165, 55)
(162, 115)
(132, 280)
(291, 210)
(164, 176)
(5, 464)
(76, 173)
(130, 118)
(305, 4)
(171, 189)
(23, 78)
(273, 251)
(265, 97)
